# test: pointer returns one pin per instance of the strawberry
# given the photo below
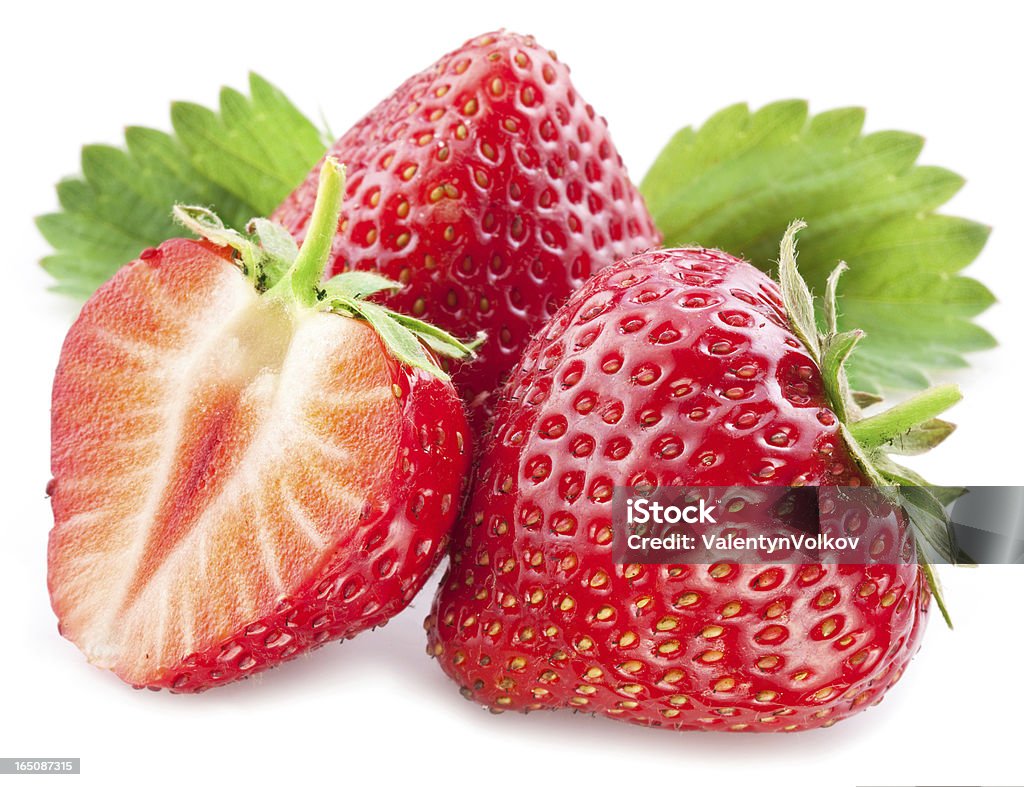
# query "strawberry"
(681, 367)
(490, 190)
(246, 463)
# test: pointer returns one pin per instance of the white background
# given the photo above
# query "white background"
(377, 708)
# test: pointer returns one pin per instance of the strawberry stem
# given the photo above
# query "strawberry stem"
(301, 282)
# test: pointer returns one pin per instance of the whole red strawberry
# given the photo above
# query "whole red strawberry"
(242, 469)
(673, 368)
(490, 190)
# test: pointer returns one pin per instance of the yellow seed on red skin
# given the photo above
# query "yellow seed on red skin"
(667, 623)
(767, 662)
(775, 610)
(627, 639)
(710, 632)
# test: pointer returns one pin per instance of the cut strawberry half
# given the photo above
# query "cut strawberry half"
(246, 463)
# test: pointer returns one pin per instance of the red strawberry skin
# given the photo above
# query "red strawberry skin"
(490, 190)
(676, 367)
(224, 501)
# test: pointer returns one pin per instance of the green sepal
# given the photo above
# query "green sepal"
(910, 427)
(279, 269)
(358, 284)
(915, 416)
(402, 343)
(920, 438)
(865, 399)
(280, 247)
(441, 341)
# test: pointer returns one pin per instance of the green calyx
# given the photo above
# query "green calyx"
(909, 428)
(279, 269)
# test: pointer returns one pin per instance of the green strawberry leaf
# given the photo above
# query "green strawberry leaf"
(738, 181)
(257, 148)
(241, 161)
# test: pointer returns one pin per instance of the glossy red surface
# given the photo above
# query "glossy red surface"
(490, 190)
(674, 368)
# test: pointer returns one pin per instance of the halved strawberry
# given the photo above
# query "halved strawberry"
(246, 463)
